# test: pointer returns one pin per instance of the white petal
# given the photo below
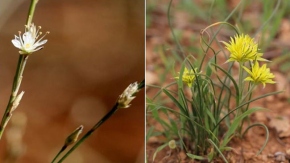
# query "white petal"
(40, 43)
(37, 49)
(27, 38)
(16, 43)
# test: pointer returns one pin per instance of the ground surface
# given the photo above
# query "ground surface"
(277, 118)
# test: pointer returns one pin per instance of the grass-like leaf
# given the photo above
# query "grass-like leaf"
(159, 149)
(267, 135)
(236, 122)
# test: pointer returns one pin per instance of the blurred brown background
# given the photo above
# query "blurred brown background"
(95, 50)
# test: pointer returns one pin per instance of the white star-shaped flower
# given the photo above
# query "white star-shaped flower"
(29, 42)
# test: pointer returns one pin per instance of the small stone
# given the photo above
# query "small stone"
(280, 156)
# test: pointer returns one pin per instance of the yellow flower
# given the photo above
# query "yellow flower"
(188, 76)
(243, 48)
(260, 74)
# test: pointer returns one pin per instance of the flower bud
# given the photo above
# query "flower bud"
(73, 137)
(128, 95)
(172, 144)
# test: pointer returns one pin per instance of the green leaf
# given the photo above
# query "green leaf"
(159, 149)
(267, 135)
(195, 157)
(218, 149)
(245, 103)
(232, 79)
(236, 122)
(173, 99)
(211, 116)
(149, 132)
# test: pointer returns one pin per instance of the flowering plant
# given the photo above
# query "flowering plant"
(31, 41)
(214, 101)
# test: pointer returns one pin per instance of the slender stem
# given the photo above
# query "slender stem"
(18, 75)
(15, 87)
(31, 12)
(180, 50)
(241, 88)
(61, 150)
(240, 84)
(250, 92)
(141, 84)
(241, 80)
(97, 125)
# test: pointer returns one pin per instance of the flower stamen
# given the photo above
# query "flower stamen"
(29, 41)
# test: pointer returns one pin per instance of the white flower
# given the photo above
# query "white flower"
(127, 96)
(29, 41)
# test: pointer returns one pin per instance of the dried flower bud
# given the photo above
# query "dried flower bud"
(17, 101)
(73, 137)
(128, 95)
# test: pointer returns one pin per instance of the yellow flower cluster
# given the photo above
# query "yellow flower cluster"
(242, 49)
(188, 76)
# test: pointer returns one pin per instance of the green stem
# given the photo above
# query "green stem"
(250, 92)
(18, 75)
(241, 81)
(240, 84)
(107, 116)
(241, 88)
(15, 87)
(31, 12)
(96, 126)
(61, 150)
(180, 50)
